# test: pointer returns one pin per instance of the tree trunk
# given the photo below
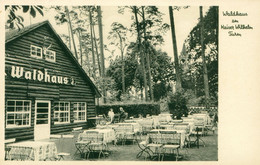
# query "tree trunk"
(101, 50)
(142, 56)
(205, 71)
(72, 36)
(150, 82)
(80, 46)
(123, 63)
(96, 47)
(92, 46)
(69, 35)
(176, 60)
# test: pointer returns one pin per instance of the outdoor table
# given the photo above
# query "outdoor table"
(176, 121)
(182, 132)
(146, 121)
(165, 117)
(136, 126)
(32, 150)
(108, 134)
(205, 117)
(166, 126)
(130, 121)
(82, 145)
(107, 126)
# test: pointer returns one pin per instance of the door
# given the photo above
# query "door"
(42, 122)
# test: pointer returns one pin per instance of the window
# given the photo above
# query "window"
(36, 51)
(79, 110)
(50, 55)
(18, 113)
(62, 112)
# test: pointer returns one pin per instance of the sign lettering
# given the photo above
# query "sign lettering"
(38, 75)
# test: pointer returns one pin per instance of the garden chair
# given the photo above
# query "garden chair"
(129, 134)
(198, 133)
(171, 142)
(61, 155)
(84, 139)
(97, 145)
(120, 134)
(154, 144)
(7, 149)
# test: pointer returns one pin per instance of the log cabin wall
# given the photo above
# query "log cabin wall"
(18, 54)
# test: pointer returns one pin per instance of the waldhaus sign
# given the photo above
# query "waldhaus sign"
(41, 76)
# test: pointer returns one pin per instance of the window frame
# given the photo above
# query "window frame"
(15, 112)
(48, 59)
(77, 111)
(35, 56)
(59, 111)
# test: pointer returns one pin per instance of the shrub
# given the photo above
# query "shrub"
(131, 109)
(178, 104)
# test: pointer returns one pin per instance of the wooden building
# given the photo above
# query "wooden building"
(46, 90)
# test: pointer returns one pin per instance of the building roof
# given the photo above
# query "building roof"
(14, 34)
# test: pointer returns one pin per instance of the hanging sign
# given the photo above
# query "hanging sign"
(42, 76)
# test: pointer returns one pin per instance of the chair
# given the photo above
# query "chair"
(129, 133)
(154, 142)
(144, 148)
(84, 139)
(7, 149)
(97, 146)
(171, 142)
(198, 133)
(62, 155)
(120, 134)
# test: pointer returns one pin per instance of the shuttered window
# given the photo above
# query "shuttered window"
(18, 113)
(80, 111)
(62, 113)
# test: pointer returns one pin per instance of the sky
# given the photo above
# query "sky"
(185, 20)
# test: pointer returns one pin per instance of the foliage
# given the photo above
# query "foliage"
(178, 104)
(15, 20)
(191, 60)
(131, 109)
(110, 86)
(161, 68)
(114, 71)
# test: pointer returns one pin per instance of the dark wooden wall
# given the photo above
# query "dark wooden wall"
(18, 54)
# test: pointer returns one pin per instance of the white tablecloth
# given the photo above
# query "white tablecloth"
(205, 117)
(136, 126)
(182, 132)
(165, 117)
(32, 150)
(108, 134)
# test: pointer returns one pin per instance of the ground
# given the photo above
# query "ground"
(129, 151)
